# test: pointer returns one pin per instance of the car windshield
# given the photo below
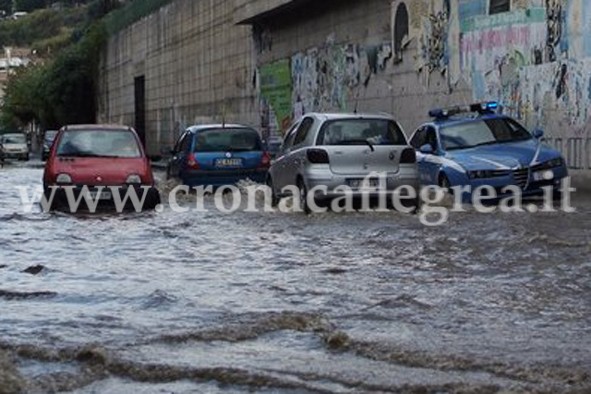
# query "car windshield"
(98, 143)
(228, 140)
(14, 139)
(361, 132)
(482, 132)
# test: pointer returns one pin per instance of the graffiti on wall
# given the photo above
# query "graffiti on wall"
(493, 48)
(433, 42)
(324, 78)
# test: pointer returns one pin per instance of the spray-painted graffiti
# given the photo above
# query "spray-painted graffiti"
(494, 48)
(554, 18)
(327, 78)
(535, 58)
(433, 45)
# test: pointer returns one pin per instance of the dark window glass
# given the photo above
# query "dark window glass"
(228, 140)
(303, 131)
(185, 144)
(289, 138)
(498, 6)
(431, 138)
(98, 143)
(418, 139)
(482, 132)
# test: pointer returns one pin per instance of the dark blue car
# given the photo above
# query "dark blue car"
(475, 146)
(219, 155)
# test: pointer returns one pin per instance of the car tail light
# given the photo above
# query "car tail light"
(317, 156)
(192, 162)
(265, 160)
(408, 156)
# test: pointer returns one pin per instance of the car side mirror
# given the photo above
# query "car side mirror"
(426, 149)
(538, 133)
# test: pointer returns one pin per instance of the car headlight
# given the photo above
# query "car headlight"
(134, 178)
(558, 162)
(63, 178)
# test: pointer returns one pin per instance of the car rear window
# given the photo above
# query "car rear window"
(360, 132)
(228, 140)
(98, 143)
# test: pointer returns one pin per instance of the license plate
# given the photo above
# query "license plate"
(359, 183)
(104, 195)
(228, 163)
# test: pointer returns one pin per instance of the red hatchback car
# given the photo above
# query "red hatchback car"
(98, 165)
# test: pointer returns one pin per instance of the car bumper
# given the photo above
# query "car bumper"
(62, 197)
(335, 185)
(534, 186)
(221, 178)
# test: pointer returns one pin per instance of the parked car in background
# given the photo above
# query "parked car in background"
(474, 146)
(47, 142)
(95, 156)
(273, 145)
(336, 150)
(14, 146)
(219, 155)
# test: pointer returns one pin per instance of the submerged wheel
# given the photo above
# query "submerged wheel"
(274, 197)
(303, 196)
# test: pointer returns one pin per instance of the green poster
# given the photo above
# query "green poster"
(276, 90)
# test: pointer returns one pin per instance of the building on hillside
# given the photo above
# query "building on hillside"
(267, 62)
(13, 58)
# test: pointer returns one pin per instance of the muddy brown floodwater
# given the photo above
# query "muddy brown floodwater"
(280, 302)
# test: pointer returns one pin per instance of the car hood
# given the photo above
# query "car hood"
(504, 156)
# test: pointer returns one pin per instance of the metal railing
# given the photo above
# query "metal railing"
(576, 151)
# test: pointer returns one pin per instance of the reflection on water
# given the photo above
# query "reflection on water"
(201, 301)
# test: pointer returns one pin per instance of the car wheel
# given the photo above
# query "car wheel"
(274, 197)
(152, 199)
(303, 196)
(443, 181)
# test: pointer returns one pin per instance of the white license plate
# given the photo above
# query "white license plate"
(104, 195)
(359, 183)
(228, 163)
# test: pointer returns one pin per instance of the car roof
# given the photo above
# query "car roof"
(105, 127)
(349, 115)
(202, 127)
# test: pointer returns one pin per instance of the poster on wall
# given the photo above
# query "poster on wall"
(276, 92)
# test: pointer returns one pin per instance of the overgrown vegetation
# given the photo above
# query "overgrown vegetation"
(61, 91)
(61, 88)
(130, 13)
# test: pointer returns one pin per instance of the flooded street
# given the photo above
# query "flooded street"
(279, 302)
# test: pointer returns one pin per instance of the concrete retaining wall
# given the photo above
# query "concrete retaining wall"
(402, 57)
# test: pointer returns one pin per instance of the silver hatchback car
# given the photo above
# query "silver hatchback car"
(336, 150)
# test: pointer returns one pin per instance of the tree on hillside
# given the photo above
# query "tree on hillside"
(6, 6)
(29, 5)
